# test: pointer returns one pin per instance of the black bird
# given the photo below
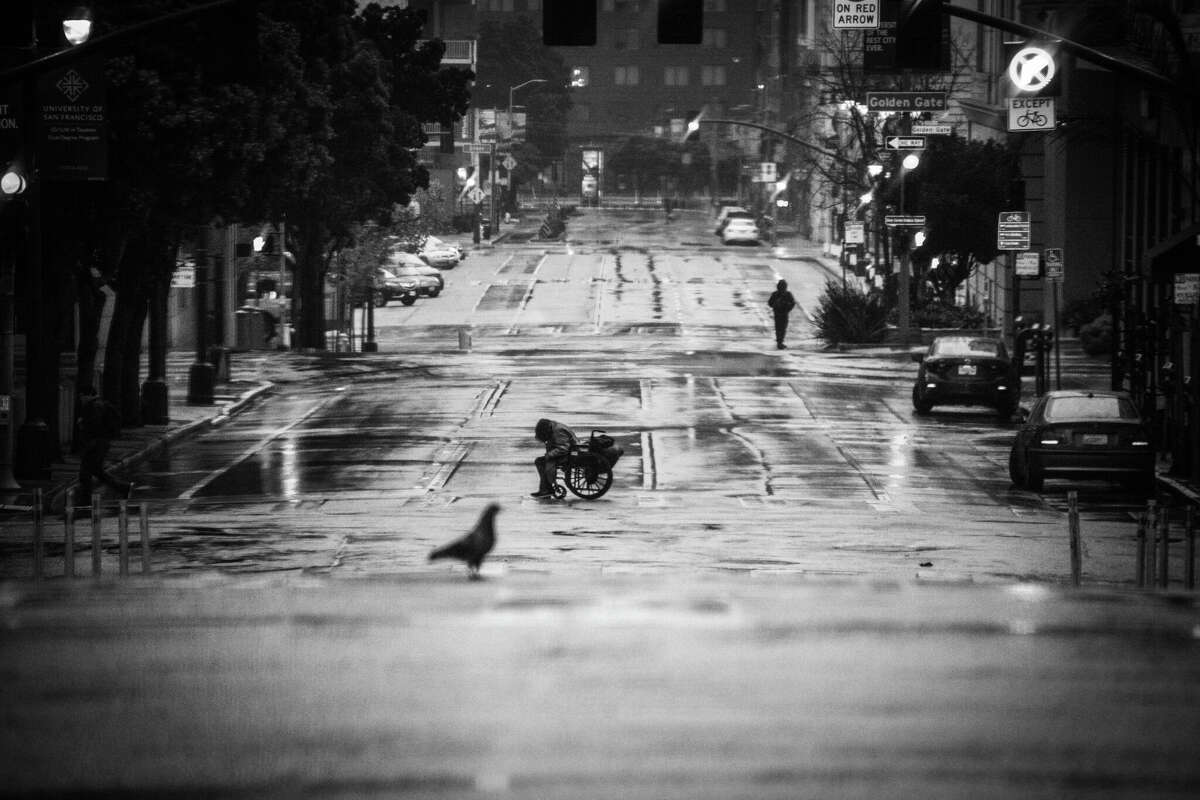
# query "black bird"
(475, 545)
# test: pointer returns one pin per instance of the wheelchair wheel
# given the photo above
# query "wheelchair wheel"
(560, 491)
(588, 481)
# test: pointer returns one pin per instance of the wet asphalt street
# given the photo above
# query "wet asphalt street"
(795, 588)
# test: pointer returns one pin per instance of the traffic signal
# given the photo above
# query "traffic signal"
(680, 21)
(569, 23)
(16, 23)
(922, 41)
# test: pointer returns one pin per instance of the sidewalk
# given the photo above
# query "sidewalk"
(243, 387)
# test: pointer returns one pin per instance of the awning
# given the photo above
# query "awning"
(1179, 253)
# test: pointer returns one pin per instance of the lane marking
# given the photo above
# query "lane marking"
(258, 446)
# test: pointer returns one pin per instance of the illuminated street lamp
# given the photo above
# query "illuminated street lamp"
(77, 25)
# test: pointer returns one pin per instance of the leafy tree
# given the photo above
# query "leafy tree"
(961, 187)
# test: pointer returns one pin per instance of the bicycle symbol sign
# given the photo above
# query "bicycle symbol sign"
(1031, 114)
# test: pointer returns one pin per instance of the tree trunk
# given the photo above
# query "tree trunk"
(310, 287)
(119, 384)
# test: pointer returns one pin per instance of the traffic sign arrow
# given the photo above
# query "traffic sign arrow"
(906, 143)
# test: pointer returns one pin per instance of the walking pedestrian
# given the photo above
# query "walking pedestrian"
(558, 439)
(98, 424)
(781, 302)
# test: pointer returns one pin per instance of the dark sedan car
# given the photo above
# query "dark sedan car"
(1082, 434)
(966, 371)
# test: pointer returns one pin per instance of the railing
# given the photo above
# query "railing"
(97, 537)
(458, 51)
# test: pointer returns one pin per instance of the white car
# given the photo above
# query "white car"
(725, 213)
(437, 253)
(740, 229)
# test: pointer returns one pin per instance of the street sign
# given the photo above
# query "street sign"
(856, 14)
(1031, 69)
(184, 277)
(766, 172)
(906, 101)
(1187, 288)
(904, 220)
(906, 143)
(475, 194)
(1028, 264)
(509, 163)
(1055, 268)
(1031, 114)
(1013, 230)
(854, 233)
(931, 129)
(475, 147)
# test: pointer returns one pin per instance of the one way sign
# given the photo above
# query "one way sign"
(906, 143)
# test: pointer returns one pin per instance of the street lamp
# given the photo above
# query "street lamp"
(77, 25)
(495, 172)
(910, 162)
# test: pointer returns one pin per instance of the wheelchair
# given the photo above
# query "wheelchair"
(587, 469)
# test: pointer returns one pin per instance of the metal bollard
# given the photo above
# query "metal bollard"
(464, 340)
(69, 541)
(96, 534)
(1073, 527)
(144, 523)
(1189, 538)
(1164, 530)
(1140, 569)
(38, 535)
(1151, 543)
(123, 538)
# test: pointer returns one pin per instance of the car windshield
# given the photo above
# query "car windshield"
(984, 348)
(408, 272)
(1090, 407)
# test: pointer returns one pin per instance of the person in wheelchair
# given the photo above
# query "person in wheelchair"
(558, 439)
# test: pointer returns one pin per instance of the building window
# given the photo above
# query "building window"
(714, 5)
(580, 77)
(675, 76)
(622, 6)
(626, 76)
(712, 76)
(535, 5)
(715, 37)
(626, 39)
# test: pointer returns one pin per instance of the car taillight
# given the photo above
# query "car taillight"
(1049, 437)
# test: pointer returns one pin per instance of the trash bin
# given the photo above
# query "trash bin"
(485, 229)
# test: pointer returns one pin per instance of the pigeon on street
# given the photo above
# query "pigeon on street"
(475, 545)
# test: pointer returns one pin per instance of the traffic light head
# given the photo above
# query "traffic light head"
(680, 21)
(569, 23)
(922, 36)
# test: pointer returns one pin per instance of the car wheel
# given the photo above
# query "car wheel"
(435, 291)
(408, 299)
(1035, 479)
(1014, 469)
(920, 405)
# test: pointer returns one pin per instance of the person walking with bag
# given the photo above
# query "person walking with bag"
(781, 302)
(98, 424)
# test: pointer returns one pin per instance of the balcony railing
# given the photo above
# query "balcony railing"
(458, 51)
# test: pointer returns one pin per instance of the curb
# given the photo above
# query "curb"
(222, 415)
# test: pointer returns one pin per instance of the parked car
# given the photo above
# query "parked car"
(409, 264)
(1082, 434)
(730, 211)
(966, 370)
(391, 286)
(437, 253)
(428, 285)
(739, 229)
